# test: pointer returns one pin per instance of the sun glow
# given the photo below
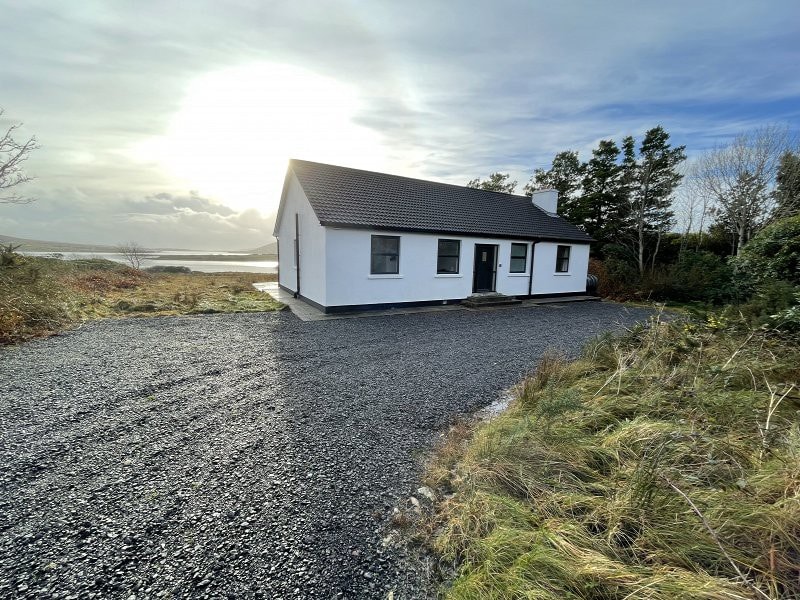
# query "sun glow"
(237, 128)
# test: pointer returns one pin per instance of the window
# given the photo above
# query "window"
(562, 259)
(519, 258)
(385, 255)
(448, 257)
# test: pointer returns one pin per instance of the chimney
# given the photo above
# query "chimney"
(547, 200)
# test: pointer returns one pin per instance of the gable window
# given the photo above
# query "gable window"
(385, 259)
(562, 259)
(519, 258)
(448, 257)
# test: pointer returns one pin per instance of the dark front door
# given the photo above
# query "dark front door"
(485, 268)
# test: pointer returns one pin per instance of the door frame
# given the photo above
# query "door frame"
(495, 248)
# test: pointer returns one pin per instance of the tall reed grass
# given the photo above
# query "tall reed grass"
(664, 464)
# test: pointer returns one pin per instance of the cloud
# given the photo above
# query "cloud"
(161, 220)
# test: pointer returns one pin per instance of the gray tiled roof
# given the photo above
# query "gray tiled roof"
(346, 197)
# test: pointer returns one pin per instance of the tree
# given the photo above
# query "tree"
(564, 176)
(496, 182)
(650, 181)
(13, 155)
(773, 254)
(133, 253)
(787, 185)
(603, 193)
(738, 178)
(693, 204)
(740, 214)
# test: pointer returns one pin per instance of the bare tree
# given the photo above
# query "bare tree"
(133, 253)
(739, 178)
(12, 156)
(691, 207)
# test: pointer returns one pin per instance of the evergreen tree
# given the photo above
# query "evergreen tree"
(787, 190)
(603, 193)
(496, 182)
(564, 175)
(650, 183)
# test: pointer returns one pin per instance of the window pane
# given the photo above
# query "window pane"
(447, 264)
(448, 255)
(562, 259)
(385, 245)
(519, 250)
(385, 258)
(517, 265)
(449, 247)
(384, 264)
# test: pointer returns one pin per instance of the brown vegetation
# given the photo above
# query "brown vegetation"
(40, 296)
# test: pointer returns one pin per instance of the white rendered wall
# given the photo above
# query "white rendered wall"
(312, 244)
(350, 283)
(545, 278)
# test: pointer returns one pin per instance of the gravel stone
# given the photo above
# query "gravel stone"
(243, 456)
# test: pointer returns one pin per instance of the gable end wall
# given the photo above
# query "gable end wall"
(312, 244)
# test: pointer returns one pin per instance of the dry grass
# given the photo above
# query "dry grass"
(40, 296)
(662, 465)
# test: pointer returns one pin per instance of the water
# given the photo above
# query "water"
(229, 263)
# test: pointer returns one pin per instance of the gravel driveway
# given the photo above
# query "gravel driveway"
(242, 455)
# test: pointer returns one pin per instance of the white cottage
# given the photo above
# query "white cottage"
(350, 239)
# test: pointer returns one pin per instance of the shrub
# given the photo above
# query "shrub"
(697, 276)
(31, 302)
(768, 300)
(168, 269)
(773, 254)
(701, 276)
(787, 319)
(616, 278)
(8, 255)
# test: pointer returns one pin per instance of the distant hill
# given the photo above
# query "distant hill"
(271, 248)
(27, 245)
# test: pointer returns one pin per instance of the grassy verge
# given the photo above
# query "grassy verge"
(39, 296)
(665, 464)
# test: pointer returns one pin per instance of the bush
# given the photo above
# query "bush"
(168, 269)
(773, 254)
(8, 255)
(615, 278)
(701, 276)
(31, 303)
(788, 319)
(697, 276)
(769, 299)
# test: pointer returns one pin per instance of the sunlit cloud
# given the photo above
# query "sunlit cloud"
(237, 128)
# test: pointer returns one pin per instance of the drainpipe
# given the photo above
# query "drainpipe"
(530, 277)
(297, 251)
(278, 252)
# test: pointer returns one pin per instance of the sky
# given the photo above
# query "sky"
(171, 123)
